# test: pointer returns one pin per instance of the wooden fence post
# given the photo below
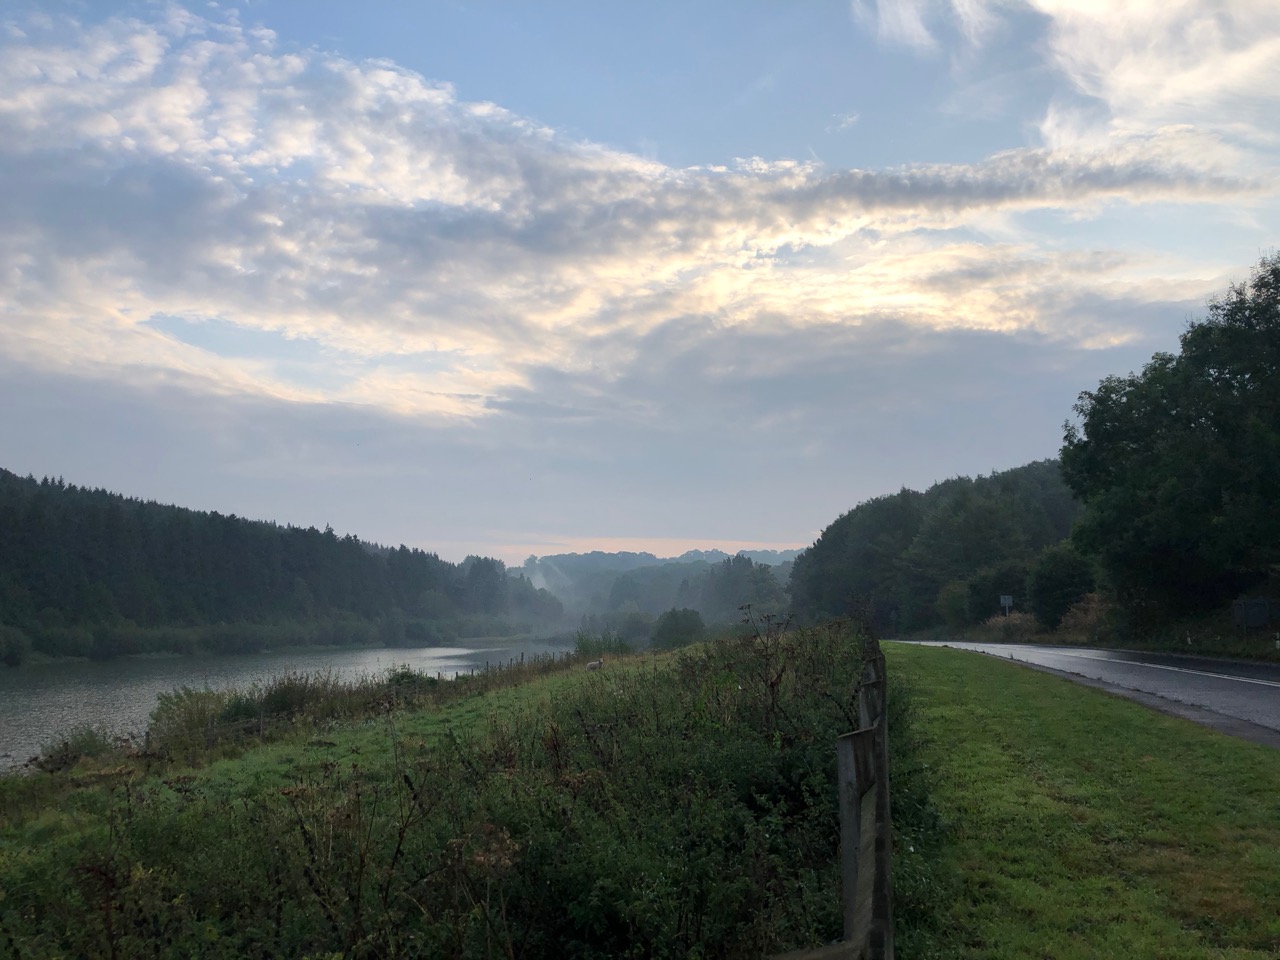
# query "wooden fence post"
(866, 835)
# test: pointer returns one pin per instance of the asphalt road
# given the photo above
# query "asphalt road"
(1239, 697)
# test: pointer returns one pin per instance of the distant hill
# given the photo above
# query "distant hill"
(607, 588)
(89, 572)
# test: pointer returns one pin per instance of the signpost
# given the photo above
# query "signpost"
(1006, 601)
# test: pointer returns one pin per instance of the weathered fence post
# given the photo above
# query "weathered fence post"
(866, 836)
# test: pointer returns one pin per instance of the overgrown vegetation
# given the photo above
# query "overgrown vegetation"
(1084, 825)
(656, 808)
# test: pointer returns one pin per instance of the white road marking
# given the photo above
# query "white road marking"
(1161, 666)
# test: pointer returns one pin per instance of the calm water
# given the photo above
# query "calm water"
(40, 701)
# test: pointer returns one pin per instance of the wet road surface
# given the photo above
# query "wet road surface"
(1241, 690)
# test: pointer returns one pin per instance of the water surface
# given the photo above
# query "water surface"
(38, 702)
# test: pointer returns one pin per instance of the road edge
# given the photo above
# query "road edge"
(1230, 726)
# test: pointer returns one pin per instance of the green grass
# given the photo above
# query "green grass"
(1083, 825)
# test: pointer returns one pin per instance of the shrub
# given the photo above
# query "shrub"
(67, 751)
(669, 813)
(678, 628)
(1017, 627)
(1060, 577)
(1088, 620)
(15, 646)
(598, 644)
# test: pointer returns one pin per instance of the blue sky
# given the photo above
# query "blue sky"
(519, 278)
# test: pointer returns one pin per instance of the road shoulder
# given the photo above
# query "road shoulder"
(1231, 726)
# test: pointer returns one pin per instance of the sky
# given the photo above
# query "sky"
(507, 278)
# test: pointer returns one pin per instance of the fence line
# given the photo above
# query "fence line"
(866, 837)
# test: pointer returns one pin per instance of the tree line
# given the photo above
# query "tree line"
(88, 572)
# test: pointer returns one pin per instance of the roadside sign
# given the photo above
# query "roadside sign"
(1006, 601)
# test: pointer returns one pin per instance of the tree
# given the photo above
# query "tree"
(1179, 465)
(678, 628)
(15, 646)
(1060, 578)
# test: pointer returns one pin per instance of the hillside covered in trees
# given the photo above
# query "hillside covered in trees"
(91, 573)
(913, 560)
(626, 593)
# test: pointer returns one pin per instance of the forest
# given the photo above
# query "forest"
(911, 560)
(91, 573)
(1161, 510)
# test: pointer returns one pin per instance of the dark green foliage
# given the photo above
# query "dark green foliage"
(1058, 581)
(736, 583)
(90, 573)
(678, 628)
(1179, 465)
(913, 560)
(15, 646)
(591, 645)
(70, 749)
(859, 556)
(681, 812)
(989, 584)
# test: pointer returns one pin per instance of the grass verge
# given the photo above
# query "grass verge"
(1083, 825)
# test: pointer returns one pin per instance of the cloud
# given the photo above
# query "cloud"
(283, 243)
(842, 121)
(897, 21)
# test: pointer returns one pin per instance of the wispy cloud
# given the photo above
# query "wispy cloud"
(842, 121)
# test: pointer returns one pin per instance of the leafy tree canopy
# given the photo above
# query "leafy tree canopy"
(1179, 465)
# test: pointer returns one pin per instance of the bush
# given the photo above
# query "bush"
(598, 644)
(670, 813)
(1060, 578)
(953, 604)
(1017, 627)
(69, 750)
(15, 646)
(678, 628)
(1088, 620)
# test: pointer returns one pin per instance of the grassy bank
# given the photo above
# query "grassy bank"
(1083, 825)
(669, 806)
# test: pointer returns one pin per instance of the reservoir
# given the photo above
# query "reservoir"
(39, 702)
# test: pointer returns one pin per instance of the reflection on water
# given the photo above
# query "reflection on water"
(40, 701)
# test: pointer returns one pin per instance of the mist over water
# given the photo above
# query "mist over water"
(39, 702)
